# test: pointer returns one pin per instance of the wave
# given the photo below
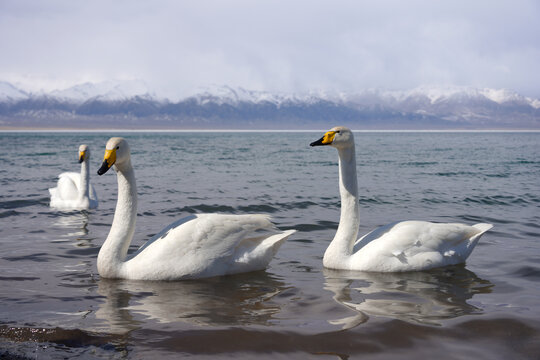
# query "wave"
(500, 200)
(21, 203)
(529, 272)
(373, 200)
(252, 208)
(320, 225)
(456, 173)
(46, 153)
(18, 278)
(38, 257)
(258, 208)
(421, 163)
(9, 213)
(201, 208)
(296, 205)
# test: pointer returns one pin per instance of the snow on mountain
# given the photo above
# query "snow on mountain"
(233, 96)
(224, 95)
(9, 92)
(434, 94)
(437, 94)
(104, 91)
(133, 103)
(125, 90)
(505, 96)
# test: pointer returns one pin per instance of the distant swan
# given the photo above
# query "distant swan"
(400, 246)
(198, 246)
(73, 190)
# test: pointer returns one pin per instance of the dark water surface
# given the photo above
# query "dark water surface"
(54, 304)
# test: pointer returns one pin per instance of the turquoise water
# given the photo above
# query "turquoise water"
(54, 304)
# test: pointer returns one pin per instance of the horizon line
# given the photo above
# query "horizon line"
(267, 130)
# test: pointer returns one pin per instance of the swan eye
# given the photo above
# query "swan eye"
(118, 147)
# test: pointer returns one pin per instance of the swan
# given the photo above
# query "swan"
(396, 247)
(198, 246)
(73, 190)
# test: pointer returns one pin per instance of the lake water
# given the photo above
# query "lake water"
(55, 305)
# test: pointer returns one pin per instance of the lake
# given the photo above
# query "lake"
(55, 305)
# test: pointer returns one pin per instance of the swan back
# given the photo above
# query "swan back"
(415, 245)
(206, 245)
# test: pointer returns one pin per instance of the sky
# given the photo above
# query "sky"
(292, 46)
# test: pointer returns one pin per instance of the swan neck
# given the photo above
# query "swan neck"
(348, 185)
(84, 184)
(114, 251)
(342, 245)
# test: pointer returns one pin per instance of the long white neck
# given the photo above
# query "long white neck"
(114, 250)
(341, 246)
(84, 192)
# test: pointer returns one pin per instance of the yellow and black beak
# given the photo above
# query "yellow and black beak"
(82, 154)
(327, 139)
(108, 160)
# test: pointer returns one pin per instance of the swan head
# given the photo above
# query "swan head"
(338, 137)
(84, 153)
(116, 153)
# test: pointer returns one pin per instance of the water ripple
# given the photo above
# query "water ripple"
(21, 203)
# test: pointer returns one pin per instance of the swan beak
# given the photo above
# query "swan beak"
(327, 139)
(108, 160)
(81, 156)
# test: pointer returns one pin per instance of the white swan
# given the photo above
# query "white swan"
(399, 246)
(73, 190)
(197, 246)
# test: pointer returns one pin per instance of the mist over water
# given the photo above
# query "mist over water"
(54, 304)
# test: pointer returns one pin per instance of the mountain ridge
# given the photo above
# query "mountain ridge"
(133, 104)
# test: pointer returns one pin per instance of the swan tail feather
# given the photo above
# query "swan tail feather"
(473, 240)
(256, 253)
(483, 227)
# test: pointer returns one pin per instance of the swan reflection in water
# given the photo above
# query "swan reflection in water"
(75, 221)
(423, 297)
(228, 300)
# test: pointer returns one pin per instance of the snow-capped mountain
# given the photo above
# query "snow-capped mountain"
(228, 107)
(8, 92)
(233, 96)
(104, 91)
(229, 95)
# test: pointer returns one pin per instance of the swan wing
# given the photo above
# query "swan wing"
(417, 245)
(67, 189)
(373, 235)
(204, 245)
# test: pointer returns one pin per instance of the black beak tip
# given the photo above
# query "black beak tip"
(81, 159)
(103, 169)
(318, 142)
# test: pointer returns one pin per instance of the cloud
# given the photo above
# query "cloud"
(273, 45)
